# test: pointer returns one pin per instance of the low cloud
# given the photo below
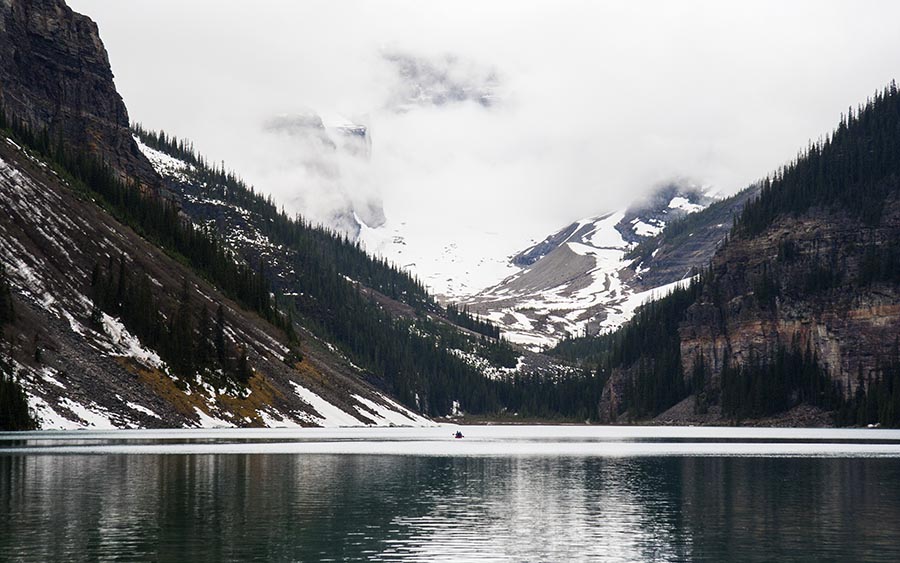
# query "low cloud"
(439, 81)
(512, 117)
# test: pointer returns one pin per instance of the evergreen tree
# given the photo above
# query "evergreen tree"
(204, 352)
(220, 342)
(14, 412)
(7, 313)
(182, 334)
(244, 371)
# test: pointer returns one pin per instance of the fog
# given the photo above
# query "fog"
(518, 115)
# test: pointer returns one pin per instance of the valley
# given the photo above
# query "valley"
(146, 285)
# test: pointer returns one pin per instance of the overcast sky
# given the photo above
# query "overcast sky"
(588, 103)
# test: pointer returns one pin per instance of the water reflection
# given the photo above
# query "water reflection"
(396, 508)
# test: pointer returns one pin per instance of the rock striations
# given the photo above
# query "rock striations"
(55, 75)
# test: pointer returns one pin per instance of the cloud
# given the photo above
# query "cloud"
(521, 116)
(439, 81)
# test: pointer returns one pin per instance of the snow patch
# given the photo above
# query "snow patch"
(270, 421)
(128, 345)
(142, 409)
(646, 229)
(47, 417)
(382, 415)
(48, 373)
(684, 203)
(330, 416)
(207, 421)
(623, 311)
(164, 164)
(94, 416)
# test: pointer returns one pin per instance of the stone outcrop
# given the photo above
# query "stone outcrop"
(55, 75)
(851, 327)
(798, 285)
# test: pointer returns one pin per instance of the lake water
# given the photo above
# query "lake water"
(500, 494)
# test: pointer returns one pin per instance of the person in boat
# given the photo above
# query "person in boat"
(458, 434)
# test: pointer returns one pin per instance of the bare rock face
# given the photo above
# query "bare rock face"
(800, 285)
(55, 75)
(797, 286)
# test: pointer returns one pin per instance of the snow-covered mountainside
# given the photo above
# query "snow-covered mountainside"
(243, 224)
(81, 367)
(452, 267)
(582, 279)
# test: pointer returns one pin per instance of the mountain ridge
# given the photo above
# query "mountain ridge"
(582, 279)
(800, 306)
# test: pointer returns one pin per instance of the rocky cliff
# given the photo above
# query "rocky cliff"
(801, 284)
(800, 307)
(55, 75)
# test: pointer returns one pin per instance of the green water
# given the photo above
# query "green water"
(348, 507)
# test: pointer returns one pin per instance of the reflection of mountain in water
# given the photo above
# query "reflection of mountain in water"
(307, 508)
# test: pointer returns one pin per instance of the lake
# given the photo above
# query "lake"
(502, 493)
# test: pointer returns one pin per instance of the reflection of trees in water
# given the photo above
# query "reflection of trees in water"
(797, 509)
(208, 507)
(287, 507)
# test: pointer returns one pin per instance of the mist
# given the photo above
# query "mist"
(507, 117)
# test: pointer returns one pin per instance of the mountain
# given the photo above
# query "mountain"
(120, 311)
(798, 314)
(590, 276)
(55, 76)
(85, 366)
(141, 286)
(167, 292)
(431, 357)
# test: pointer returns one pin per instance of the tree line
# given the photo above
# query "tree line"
(854, 168)
(188, 339)
(462, 317)
(14, 412)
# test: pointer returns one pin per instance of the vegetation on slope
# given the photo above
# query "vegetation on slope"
(419, 359)
(14, 413)
(853, 170)
(154, 218)
(186, 338)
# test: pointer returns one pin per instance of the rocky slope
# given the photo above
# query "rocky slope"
(586, 278)
(762, 298)
(79, 365)
(78, 372)
(851, 327)
(799, 309)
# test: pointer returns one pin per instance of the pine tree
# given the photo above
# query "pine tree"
(221, 350)
(244, 371)
(204, 339)
(182, 334)
(14, 413)
(7, 313)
